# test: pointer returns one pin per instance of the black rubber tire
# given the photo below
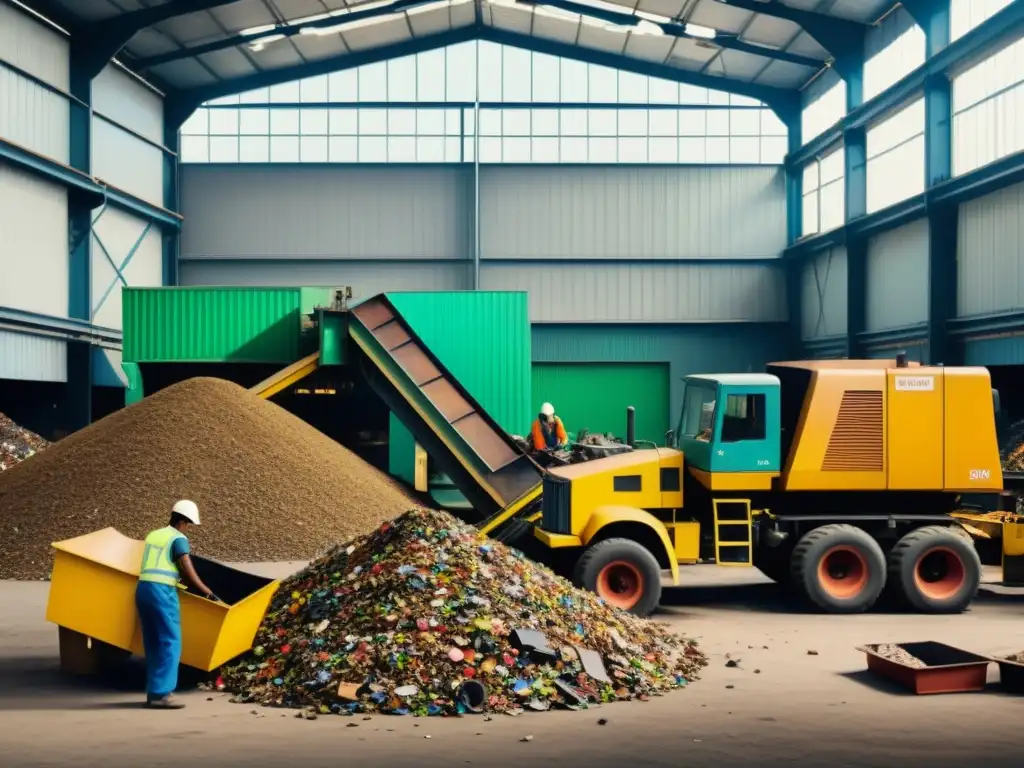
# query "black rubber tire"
(819, 543)
(908, 555)
(594, 559)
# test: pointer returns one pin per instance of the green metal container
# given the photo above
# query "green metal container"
(217, 325)
(483, 338)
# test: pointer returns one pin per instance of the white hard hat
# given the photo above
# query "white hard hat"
(188, 510)
(547, 409)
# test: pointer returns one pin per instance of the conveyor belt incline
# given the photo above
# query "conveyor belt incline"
(480, 457)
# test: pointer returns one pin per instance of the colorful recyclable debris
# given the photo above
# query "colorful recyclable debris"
(17, 443)
(427, 617)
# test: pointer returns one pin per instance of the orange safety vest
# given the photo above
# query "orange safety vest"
(548, 436)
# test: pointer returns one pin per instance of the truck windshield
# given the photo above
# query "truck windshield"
(698, 417)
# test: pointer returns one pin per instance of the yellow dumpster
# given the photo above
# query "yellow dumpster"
(92, 593)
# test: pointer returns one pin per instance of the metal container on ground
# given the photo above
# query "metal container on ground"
(1011, 675)
(92, 594)
(946, 669)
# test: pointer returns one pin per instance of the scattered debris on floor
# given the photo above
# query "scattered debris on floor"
(270, 486)
(427, 617)
(897, 654)
(1016, 658)
(17, 443)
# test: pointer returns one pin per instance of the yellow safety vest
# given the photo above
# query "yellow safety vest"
(157, 565)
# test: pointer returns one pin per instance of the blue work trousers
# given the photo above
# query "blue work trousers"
(160, 615)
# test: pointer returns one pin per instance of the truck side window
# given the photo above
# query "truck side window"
(743, 418)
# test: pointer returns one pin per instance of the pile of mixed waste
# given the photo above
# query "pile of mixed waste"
(427, 617)
(17, 443)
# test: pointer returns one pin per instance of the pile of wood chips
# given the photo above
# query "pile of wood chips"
(268, 485)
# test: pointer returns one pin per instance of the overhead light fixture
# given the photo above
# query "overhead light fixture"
(258, 30)
(263, 42)
(696, 30)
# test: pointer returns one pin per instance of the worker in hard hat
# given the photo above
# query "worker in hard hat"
(548, 432)
(165, 562)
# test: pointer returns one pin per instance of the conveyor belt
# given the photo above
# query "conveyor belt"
(479, 456)
(284, 378)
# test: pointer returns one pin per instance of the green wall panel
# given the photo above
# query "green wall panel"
(217, 324)
(686, 349)
(483, 338)
(595, 396)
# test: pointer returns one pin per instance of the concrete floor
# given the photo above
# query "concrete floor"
(818, 709)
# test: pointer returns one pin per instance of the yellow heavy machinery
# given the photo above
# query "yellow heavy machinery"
(836, 478)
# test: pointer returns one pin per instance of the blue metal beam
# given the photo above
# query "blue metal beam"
(1006, 25)
(722, 40)
(145, 210)
(79, 184)
(184, 103)
(842, 38)
(171, 236)
(70, 329)
(285, 30)
(1009, 321)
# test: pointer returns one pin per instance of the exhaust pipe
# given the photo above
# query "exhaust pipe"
(631, 426)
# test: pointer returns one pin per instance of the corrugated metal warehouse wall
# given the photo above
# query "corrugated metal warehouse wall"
(56, 273)
(896, 294)
(283, 212)
(655, 248)
(33, 212)
(824, 294)
(632, 213)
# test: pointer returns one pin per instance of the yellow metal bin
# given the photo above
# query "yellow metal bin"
(92, 593)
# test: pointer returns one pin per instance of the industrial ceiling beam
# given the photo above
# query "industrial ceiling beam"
(842, 38)
(101, 40)
(181, 104)
(276, 32)
(673, 29)
(781, 100)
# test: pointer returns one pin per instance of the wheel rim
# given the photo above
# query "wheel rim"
(939, 573)
(843, 572)
(620, 584)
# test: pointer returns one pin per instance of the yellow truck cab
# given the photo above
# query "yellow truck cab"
(835, 478)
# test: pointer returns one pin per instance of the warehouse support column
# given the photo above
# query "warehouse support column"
(933, 17)
(855, 179)
(78, 390)
(170, 235)
(794, 228)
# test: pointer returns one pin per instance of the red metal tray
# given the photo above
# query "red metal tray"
(948, 670)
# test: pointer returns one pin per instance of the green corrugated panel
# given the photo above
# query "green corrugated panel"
(595, 396)
(216, 324)
(483, 338)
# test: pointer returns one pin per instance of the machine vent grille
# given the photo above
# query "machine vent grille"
(856, 443)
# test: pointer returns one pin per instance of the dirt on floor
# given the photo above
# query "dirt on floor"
(782, 688)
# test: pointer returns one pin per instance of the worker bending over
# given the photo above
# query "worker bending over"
(165, 560)
(548, 432)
